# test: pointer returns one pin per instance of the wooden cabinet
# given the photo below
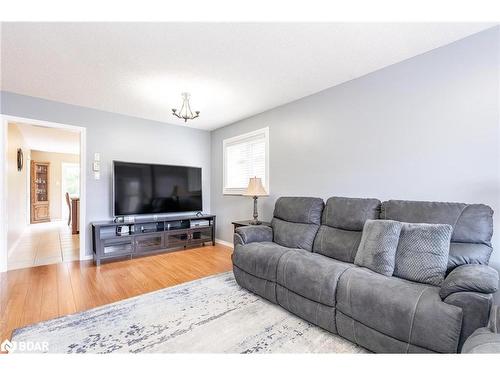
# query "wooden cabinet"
(40, 211)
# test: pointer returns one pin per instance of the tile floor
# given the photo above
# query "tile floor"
(45, 243)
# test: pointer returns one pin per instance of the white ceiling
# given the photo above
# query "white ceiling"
(232, 70)
(42, 138)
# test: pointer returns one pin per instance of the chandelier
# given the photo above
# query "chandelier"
(185, 113)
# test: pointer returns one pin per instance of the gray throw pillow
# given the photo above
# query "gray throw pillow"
(422, 253)
(377, 248)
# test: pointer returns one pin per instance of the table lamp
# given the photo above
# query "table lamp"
(255, 190)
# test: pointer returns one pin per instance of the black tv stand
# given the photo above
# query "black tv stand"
(146, 237)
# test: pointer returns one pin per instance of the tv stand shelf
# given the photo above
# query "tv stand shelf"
(147, 237)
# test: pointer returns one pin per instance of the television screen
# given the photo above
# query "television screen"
(155, 189)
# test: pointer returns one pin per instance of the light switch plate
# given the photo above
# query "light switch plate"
(97, 175)
(96, 166)
(97, 156)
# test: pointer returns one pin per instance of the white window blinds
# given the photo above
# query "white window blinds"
(245, 156)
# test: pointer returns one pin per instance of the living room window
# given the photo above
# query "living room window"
(245, 156)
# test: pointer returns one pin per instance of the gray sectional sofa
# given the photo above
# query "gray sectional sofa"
(304, 263)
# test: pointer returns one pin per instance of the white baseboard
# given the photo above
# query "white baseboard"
(225, 243)
(87, 257)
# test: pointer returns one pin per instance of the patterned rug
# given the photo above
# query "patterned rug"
(210, 315)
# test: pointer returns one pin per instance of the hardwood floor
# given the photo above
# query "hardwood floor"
(35, 294)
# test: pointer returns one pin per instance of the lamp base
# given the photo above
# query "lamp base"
(255, 222)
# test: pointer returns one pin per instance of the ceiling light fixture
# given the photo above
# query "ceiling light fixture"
(185, 113)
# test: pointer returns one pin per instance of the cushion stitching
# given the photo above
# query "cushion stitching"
(348, 288)
(309, 215)
(327, 212)
(269, 265)
(458, 218)
(319, 301)
(322, 240)
(278, 263)
(413, 318)
(285, 280)
(494, 320)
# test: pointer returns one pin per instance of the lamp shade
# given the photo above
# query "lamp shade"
(255, 188)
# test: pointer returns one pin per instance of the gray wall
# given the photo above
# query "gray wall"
(118, 137)
(425, 129)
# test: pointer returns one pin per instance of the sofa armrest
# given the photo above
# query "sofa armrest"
(253, 233)
(470, 278)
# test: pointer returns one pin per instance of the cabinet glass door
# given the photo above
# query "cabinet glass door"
(201, 235)
(41, 182)
(176, 240)
(148, 242)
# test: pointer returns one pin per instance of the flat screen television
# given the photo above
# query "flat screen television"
(140, 189)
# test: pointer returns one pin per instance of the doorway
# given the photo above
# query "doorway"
(45, 229)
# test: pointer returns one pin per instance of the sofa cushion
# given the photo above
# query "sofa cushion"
(350, 213)
(422, 253)
(472, 223)
(304, 210)
(468, 253)
(407, 311)
(259, 259)
(257, 285)
(295, 235)
(296, 221)
(377, 249)
(337, 243)
(341, 226)
(312, 276)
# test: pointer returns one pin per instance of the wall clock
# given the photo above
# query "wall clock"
(20, 159)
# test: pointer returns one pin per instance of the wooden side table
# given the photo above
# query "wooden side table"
(246, 223)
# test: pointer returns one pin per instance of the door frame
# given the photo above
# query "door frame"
(4, 121)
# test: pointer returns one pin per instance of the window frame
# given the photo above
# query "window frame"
(239, 139)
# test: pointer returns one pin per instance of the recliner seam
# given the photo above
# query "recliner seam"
(307, 298)
(349, 302)
(413, 318)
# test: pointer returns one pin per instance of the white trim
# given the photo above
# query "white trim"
(87, 257)
(4, 121)
(3, 196)
(228, 141)
(225, 243)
